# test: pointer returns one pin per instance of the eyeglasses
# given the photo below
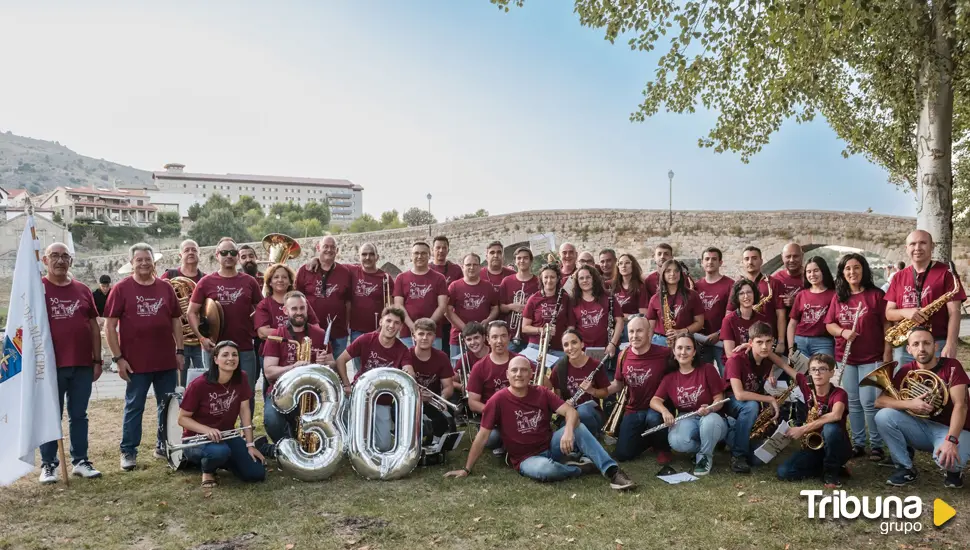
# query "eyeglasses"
(225, 253)
(818, 370)
(56, 257)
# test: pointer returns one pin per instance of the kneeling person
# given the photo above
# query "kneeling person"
(579, 379)
(522, 412)
(211, 405)
(432, 370)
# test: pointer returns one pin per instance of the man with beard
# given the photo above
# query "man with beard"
(607, 265)
(239, 294)
(147, 348)
(248, 262)
(494, 271)
(189, 268)
(791, 279)
(329, 290)
(369, 288)
(279, 357)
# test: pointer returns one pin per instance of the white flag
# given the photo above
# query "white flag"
(29, 411)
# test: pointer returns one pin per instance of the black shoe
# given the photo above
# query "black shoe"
(953, 480)
(739, 465)
(858, 451)
(902, 477)
(878, 455)
(585, 465)
(832, 480)
(267, 449)
(620, 481)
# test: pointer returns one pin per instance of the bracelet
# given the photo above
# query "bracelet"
(118, 358)
(179, 352)
(251, 445)
(466, 470)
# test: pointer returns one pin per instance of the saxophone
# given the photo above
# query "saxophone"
(813, 440)
(764, 299)
(668, 320)
(309, 442)
(897, 334)
(763, 424)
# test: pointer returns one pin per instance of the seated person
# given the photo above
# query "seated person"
(580, 379)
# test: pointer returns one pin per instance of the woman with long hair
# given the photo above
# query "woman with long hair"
(210, 406)
(628, 287)
(734, 328)
(857, 314)
(551, 304)
(578, 372)
(806, 323)
(691, 386)
(592, 307)
(269, 315)
(683, 304)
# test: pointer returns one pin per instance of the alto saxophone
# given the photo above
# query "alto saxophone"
(764, 423)
(897, 334)
(309, 442)
(813, 440)
(764, 299)
(668, 320)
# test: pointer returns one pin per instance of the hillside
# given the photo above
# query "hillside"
(37, 165)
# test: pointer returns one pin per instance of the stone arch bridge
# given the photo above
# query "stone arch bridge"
(634, 231)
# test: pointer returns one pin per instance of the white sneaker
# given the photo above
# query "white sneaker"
(48, 474)
(85, 469)
(128, 462)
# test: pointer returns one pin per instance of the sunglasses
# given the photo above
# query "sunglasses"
(226, 343)
(225, 253)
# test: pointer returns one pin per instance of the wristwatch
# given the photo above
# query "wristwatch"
(180, 352)
(466, 470)
(953, 439)
(118, 358)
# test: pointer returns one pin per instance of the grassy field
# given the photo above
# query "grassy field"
(154, 507)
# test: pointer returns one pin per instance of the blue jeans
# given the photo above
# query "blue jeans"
(902, 356)
(516, 349)
(494, 440)
(697, 435)
(383, 422)
(74, 383)
(546, 466)
(862, 405)
(810, 345)
(230, 454)
(713, 355)
(338, 345)
(630, 443)
(136, 393)
(744, 413)
(591, 417)
(806, 463)
(193, 360)
(658, 340)
(901, 428)
(275, 422)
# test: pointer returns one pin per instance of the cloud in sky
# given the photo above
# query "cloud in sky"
(482, 109)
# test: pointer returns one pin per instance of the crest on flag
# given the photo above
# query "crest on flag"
(10, 360)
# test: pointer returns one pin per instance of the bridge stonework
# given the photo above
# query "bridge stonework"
(633, 231)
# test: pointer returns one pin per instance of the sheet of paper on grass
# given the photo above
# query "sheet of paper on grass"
(774, 444)
(680, 477)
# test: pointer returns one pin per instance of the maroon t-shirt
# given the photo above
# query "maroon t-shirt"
(215, 405)
(70, 309)
(952, 374)
(684, 310)
(936, 282)
(269, 313)
(430, 373)
(591, 319)
(178, 273)
(576, 376)
(511, 284)
(488, 377)
(714, 297)
(145, 314)
(449, 270)
(786, 285)
(868, 345)
(373, 355)
(471, 302)
(809, 310)
(564, 276)
(331, 302)
(630, 304)
(770, 306)
(689, 392)
(652, 282)
(471, 359)
(642, 375)
(735, 328)
(420, 293)
(496, 278)
(826, 402)
(523, 421)
(743, 367)
(239, 296)
(367, 297)
(541, 308)
(286, 352)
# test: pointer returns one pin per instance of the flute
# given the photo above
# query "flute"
(683, 416)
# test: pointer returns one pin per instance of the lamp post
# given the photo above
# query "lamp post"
(429, 214)
(670, 197)
(277, 223)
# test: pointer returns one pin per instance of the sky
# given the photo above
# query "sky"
(482, 109)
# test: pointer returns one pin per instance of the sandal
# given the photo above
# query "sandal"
(209, 484)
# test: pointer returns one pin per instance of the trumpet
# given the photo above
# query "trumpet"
(437, 400)
(202, 439)
(515, 320)
(612, 425)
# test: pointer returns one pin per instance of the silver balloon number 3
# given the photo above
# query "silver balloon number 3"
(314, 453)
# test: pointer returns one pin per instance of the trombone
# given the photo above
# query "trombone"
(388, 296)
(540, 375)
(437, 401)
(202, 439)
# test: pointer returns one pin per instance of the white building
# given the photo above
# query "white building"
(113, 206)
(177, 190)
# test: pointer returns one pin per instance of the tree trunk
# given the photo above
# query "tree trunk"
(934, 174)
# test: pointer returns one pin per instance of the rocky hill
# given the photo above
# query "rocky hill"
(38, 166)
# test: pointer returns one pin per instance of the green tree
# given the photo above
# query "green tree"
(57, 218)
(391, 220)
(170, 224)
(194, 212)
(415, 217)
(216, 202)
(309, 227)
(889, 77)
(363, 224)
(216, 224)
(245, 204)
(319, 211)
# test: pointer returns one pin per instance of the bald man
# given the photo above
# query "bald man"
(328, 289)
(791, 278)
(567, 257)
(586, 258)
(77, 347)
(189, 268)
(915, 287)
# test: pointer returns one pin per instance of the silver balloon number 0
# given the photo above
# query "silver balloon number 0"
(315, 453)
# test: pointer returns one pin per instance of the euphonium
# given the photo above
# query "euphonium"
(764, 423)
(183, 291)
(280, 247)
(764, 299)
(897, 334)
(813, 440)
(917, 384)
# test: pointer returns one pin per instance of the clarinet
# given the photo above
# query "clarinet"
(555, 310)
(579, 393)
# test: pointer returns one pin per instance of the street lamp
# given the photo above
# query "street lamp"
(429, 214)
(277, 223)
(670, 197)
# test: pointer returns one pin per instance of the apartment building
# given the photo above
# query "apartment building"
(113, 206)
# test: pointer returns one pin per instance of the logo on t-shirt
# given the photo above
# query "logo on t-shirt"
(547, 310)
(219, 405)
(426, 379)
(688, 396)
(847, 313)
(909, 296)
(500, 383)
(709, 300)
(280, 320)
(590, 318)
(812, 314)
(637, 378)
(63, 309)
(363, 288)
(472, 302)
(675, 310)
(623, 299)
(418, 292)
(148, 306)
(528, 421)
(228, 295)
(375, 361)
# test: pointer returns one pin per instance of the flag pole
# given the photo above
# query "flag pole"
(60, 442)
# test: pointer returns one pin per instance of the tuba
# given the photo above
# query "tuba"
(280, 247)
(917, 384)
(210, 318)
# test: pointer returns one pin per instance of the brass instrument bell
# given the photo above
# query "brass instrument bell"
(280, 247)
